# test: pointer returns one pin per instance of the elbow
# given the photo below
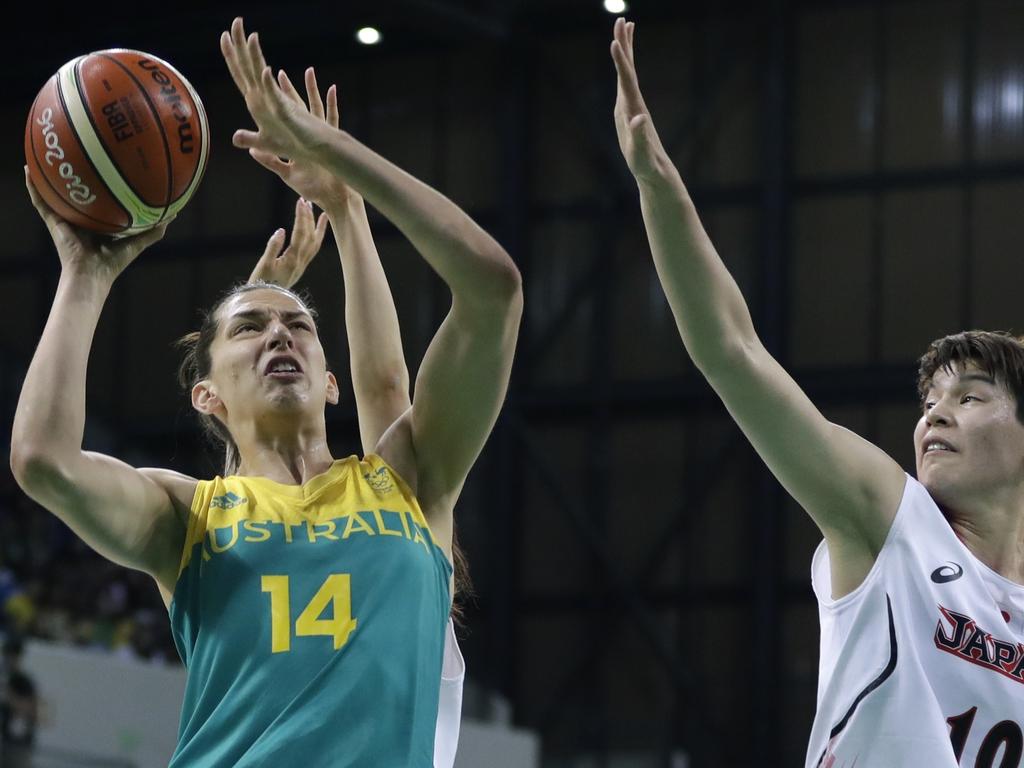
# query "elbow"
(390, 382)
(490, 283)
(22, 463)
(34, 468)
(509, 300)
(507, 281)
(724, 358)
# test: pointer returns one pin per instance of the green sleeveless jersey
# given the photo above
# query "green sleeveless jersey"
(311, 620)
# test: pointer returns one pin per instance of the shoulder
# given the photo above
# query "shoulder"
(917, 526)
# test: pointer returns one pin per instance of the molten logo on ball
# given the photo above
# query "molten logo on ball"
(173, 100)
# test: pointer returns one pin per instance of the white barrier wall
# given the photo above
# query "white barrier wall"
(103, 706)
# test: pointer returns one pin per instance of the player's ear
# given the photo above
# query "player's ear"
(333, 394)
(205, 399)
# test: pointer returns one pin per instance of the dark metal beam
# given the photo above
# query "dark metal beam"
(766, 518)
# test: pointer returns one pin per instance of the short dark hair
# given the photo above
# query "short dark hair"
(196, 364)
(1000, 354)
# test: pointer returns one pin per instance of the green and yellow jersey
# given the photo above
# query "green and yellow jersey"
(311, 620)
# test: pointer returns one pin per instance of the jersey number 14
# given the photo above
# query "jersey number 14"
(336, 591)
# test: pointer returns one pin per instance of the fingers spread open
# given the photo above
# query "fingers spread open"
(245, 139)
(321, 230)
(289, 89)
(256, 59)
(333, 115)
(276, 98)
(316, 104)
(230, 53)
(271, 162)
(303, 221)
(274, 247)
(241, 51)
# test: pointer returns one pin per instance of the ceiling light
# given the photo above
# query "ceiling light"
(368, 36)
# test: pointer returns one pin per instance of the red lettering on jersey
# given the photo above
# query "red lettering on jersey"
(961, 636)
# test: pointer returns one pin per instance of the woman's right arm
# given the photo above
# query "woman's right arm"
(849, 487)
(125, 514)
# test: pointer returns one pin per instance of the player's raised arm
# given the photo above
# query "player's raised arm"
(464, 374)
(125, 514)
(848, 486)
(380, 378)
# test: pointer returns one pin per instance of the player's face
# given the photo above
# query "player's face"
(969, 444)
(267, 356)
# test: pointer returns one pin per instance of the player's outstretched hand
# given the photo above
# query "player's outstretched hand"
(284, 266)
(285, 128)
(311, 180)
(638, 139)
(83, 251)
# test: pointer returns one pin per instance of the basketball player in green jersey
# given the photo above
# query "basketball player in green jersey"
(309, 596)
(380, 377)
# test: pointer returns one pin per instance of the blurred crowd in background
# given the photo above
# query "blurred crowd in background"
(53, 587)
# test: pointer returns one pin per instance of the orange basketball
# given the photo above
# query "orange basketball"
(117, 141)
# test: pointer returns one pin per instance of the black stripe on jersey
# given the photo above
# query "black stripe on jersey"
(882, 677)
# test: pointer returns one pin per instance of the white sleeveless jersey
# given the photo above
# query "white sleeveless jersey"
(922, 666)
(449, 709)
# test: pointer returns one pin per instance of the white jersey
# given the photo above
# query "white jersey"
(922, 666)
(449, 705)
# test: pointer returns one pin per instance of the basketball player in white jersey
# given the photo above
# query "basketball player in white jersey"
(919, 582)
(380, 376)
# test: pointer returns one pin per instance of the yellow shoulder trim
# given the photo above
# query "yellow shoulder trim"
(197, 517)
(380, 478)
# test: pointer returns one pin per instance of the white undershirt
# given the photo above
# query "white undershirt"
(449, 708)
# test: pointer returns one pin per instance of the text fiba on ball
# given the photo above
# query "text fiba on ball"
(119, 123)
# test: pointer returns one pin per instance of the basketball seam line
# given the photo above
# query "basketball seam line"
(78, 141)
(135, 211)
(199, 111)
(163, 134)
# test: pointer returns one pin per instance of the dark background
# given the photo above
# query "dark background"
(642, 582)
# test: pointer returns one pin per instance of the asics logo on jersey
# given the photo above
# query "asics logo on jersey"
(227, 501)
(380, 480)
(966, 640)
(947, 573)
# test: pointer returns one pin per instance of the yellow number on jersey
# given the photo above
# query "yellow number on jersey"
(336, 590)
(280, 613)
